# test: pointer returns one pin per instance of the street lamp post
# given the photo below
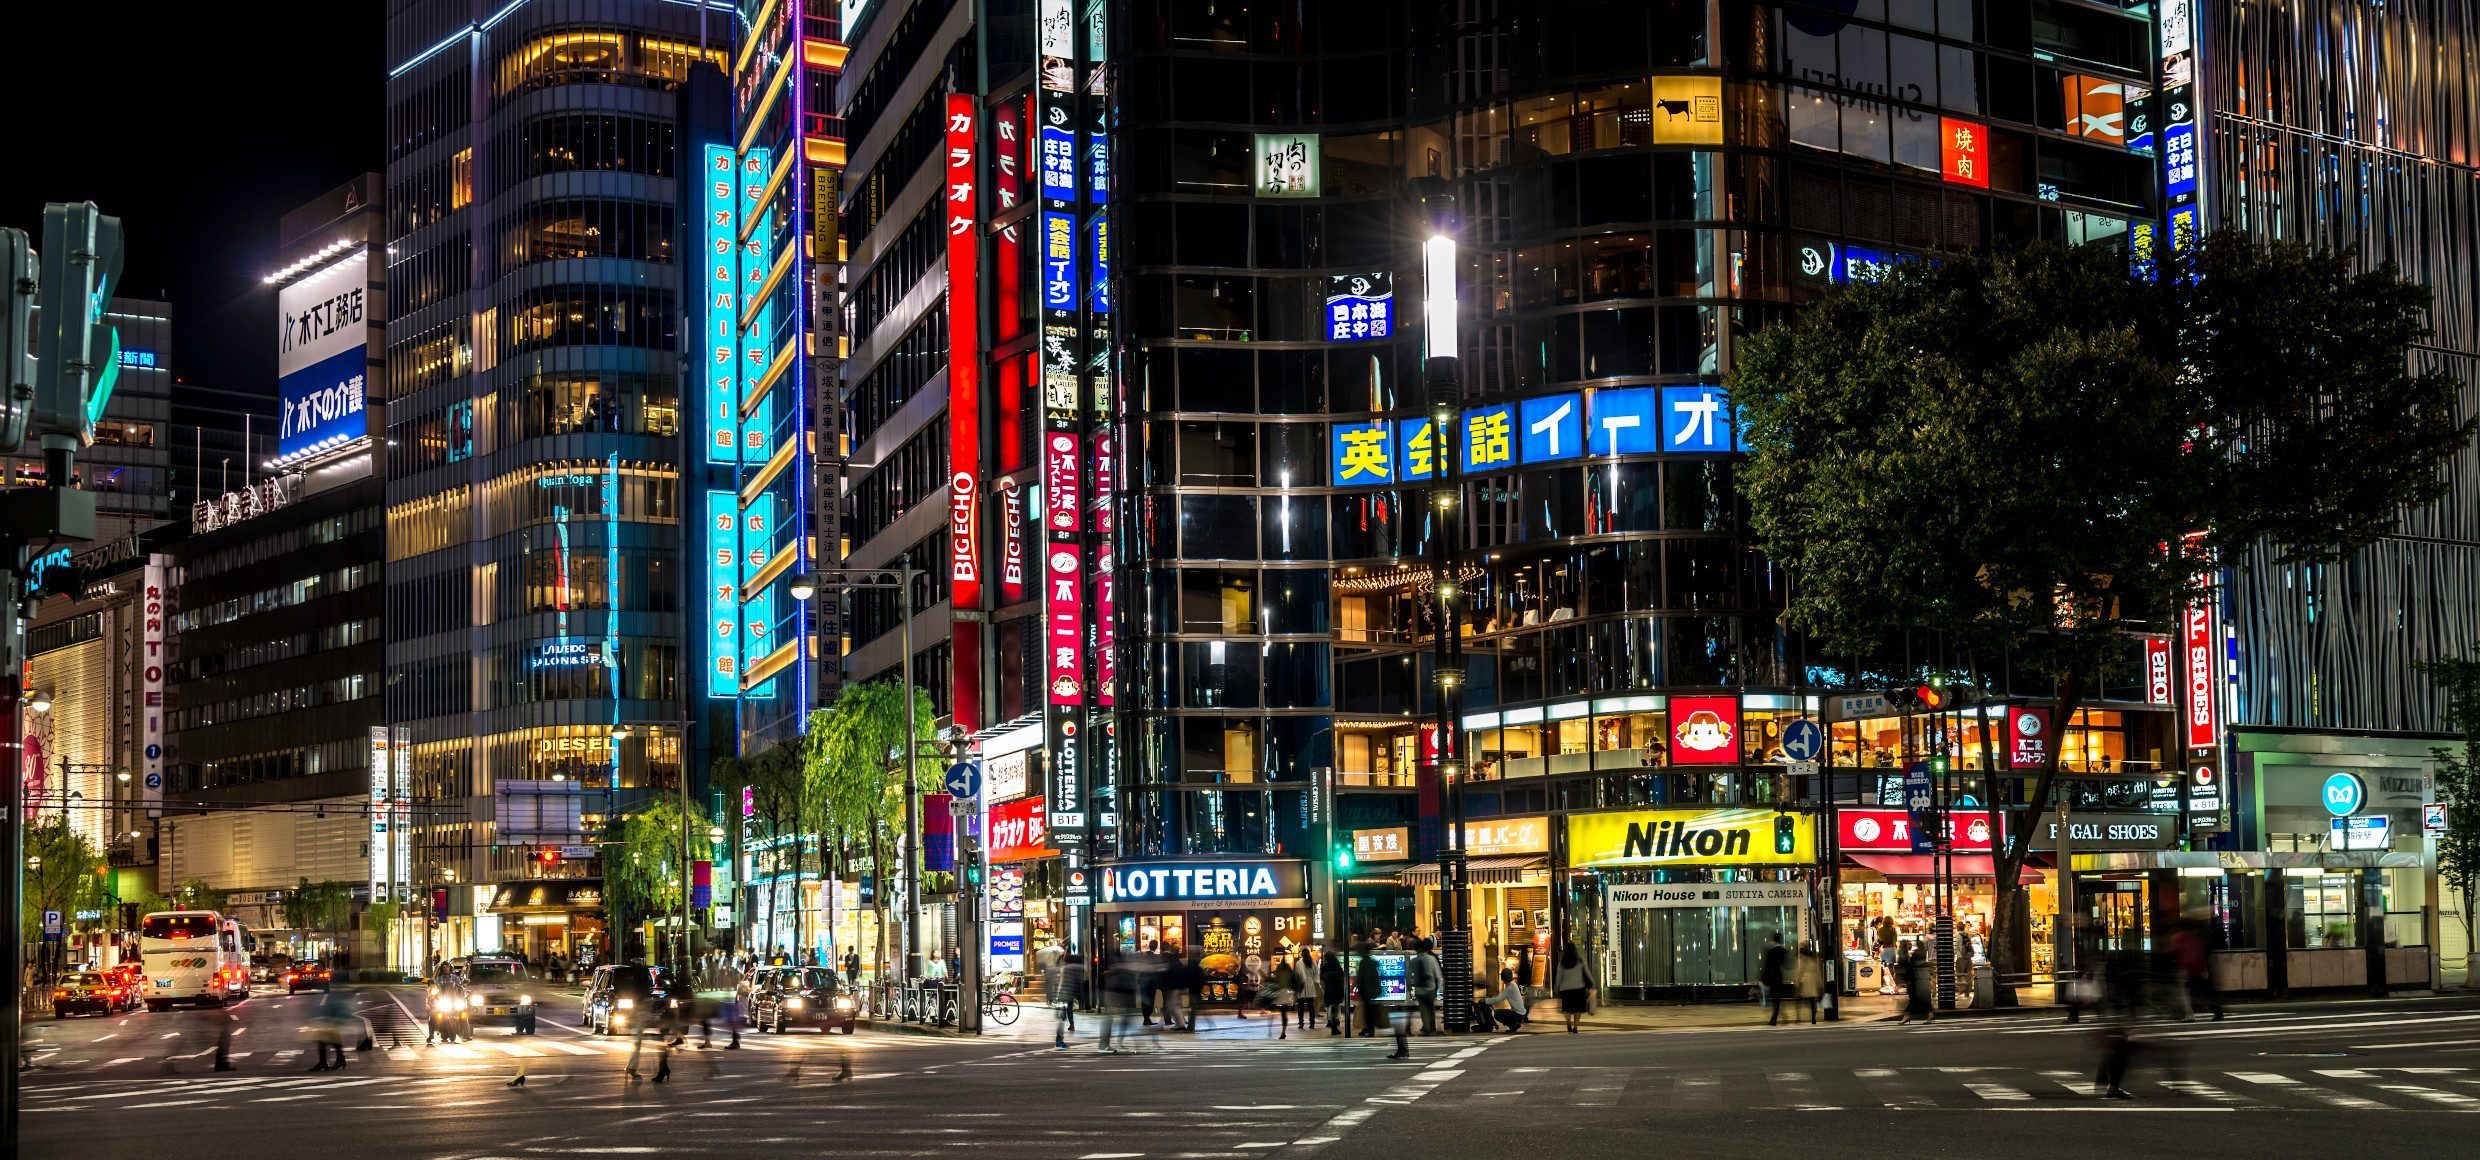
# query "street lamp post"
(1442, 380)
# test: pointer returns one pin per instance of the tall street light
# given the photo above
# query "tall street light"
(1443, 391)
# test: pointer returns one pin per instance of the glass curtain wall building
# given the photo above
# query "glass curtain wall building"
(535, 579)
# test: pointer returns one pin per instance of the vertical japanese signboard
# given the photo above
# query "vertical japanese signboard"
(2181, 118)
(1064, 346)
(2203, 725)
(964, 408)
(154, 617)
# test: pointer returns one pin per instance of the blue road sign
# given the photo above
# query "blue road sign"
(1920, 797)
(964, 780)
(1803, 740)
(51, 926)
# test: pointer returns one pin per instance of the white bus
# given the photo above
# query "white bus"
(193, 956)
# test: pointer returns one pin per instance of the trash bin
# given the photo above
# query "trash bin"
(1867, 976)
(1984, 986)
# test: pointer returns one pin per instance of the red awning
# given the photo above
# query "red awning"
(1923, 868)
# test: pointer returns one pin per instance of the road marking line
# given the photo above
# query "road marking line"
(2323, 1095)
(2432, 1095)
(2429, 1043)
(1997, 1091)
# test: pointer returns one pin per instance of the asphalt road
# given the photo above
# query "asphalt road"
(2357, 1078)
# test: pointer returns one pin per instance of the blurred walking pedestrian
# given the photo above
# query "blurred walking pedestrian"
(1574, 983)
(327, 1030)
(1809, 978)
(1365, 983)
(2190, 946)
(1426, 977)
(1306, 1004)
(1919, 983)
(1774, 974)
(1065, 987)
(1282, 993)
(1335, 989)
(1119, 999)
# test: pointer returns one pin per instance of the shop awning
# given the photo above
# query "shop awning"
(565, 894)
(1478, 871)
(1923, 868)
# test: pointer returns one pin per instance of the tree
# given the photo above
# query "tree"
(326, 907)
(63, 873)
(2010, 453)
(643, 877)
(773, 779)
(849, 769)
(2457, 779)
(195, 894)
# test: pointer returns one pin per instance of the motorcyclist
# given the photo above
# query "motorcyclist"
(449, 1001)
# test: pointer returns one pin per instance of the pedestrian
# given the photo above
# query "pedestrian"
(1119, 999)
(1148, 964)
(1062, 986)
(1182, 980)
(1306, 1004)
(1774, 974)
(1524, 965)
(2189, 945)
(1809, 977)
(1426, 978)
(1335, 988)
(1574, 983)
(1365, 984)
(327, 1024)
(1504, 1010)
(1919, 987)
(1281, 993)
(852, 968)
(2122, 999)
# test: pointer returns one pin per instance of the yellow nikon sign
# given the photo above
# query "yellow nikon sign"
(1687, 838)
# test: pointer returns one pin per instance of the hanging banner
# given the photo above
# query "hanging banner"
(964, 412)
(2158, 683)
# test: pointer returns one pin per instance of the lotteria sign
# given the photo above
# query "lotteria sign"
(1685, 838)
(1203, 885)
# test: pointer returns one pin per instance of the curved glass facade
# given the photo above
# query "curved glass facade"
(535, 594)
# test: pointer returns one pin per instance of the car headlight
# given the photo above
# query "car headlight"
(843, 1003)
(795, 1003)
(626, 1004)
(525, 1000)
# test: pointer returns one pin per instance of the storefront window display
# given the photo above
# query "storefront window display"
(1681, 903)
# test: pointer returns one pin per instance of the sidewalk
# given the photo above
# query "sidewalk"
(1867, 1008)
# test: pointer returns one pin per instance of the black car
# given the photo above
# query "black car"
(623, 997)
(499, 987)
(782, 998)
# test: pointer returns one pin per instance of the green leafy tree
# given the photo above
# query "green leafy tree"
(325, 907)
(643, 877)
(63, 873)
(195, 894)
(380, 920)
(2006, 453)
(773, 778)
(2457, 778)
(852, 770)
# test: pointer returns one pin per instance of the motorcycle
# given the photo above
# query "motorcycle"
(450, 1012)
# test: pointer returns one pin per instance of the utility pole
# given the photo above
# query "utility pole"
(54, 397)
(1443, 386)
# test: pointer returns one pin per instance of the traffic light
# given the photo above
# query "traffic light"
(78, 353)
(1786, 834)
(1928, 696)
(1343, 857)
(17, 295)
(548, 857)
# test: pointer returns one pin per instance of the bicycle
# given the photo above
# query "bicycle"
(998, 1003)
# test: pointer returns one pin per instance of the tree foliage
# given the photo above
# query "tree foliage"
(326, 907)
(2457, 778)
(848, 764)
(2012, 451)
(642, 872)
(63, 873)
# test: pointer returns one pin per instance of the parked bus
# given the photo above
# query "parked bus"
(194, 956)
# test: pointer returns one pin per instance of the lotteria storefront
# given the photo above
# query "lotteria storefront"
(1230, 917)
(1681, 903)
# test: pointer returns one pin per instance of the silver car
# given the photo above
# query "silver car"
(499, 987)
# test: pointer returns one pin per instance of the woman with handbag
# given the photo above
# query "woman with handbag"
(1574, 983)
(1282, 990)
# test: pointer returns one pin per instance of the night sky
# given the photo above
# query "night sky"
(201, 126)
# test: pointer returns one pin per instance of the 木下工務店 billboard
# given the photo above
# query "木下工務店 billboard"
(322, 358)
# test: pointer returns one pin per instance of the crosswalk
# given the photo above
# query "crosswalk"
(2376, 1027)
(194, 1053)
(1653, 1090)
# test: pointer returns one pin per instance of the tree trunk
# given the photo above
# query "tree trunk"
(878, 896)
(2015, 841)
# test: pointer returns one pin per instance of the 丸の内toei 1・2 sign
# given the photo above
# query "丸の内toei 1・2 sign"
(1687, 838)
(1203, 885)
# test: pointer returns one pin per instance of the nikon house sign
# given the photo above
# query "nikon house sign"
(1202, 885)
